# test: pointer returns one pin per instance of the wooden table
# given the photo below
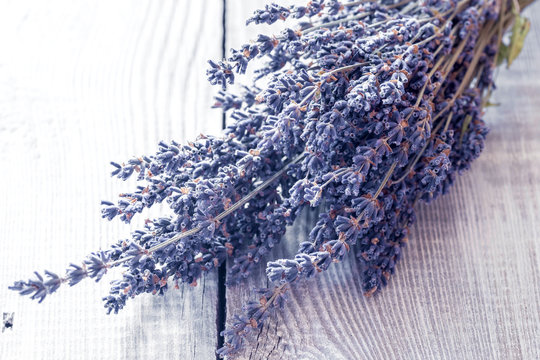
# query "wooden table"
(86, 82)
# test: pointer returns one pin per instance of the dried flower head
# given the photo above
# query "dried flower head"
(367, 108)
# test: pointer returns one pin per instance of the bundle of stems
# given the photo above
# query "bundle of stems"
(365, 108)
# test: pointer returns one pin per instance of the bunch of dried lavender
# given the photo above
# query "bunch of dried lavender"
(368, 107)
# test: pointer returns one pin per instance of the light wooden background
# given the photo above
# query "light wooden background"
(86, 82)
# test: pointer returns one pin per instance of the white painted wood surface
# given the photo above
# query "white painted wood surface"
(468, 285)
(83, 83)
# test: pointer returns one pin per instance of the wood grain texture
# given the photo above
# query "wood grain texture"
(468, 286)
(83, 83)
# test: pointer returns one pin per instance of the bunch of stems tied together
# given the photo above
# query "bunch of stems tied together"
(361, 109)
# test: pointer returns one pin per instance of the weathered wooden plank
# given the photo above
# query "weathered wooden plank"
(83, 83)
(468, 286)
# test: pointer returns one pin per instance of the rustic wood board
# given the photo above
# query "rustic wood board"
(85, 83)
(468, 286)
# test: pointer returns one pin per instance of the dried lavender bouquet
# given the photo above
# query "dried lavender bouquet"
(367, 107)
